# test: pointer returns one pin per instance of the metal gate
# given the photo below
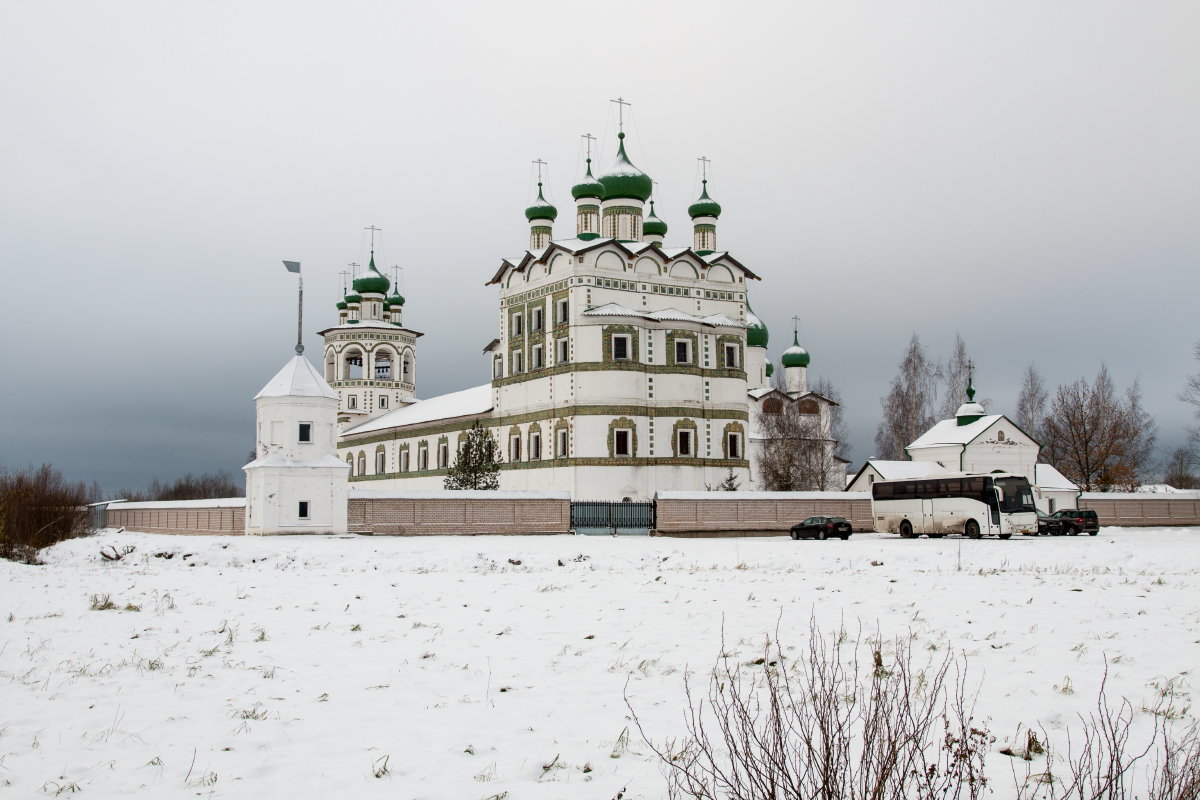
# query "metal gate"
(612, 519)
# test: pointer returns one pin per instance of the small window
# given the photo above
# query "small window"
(350, 463)
(1000, 436)
(383, 401)
(683, 351)
(731, 356)
(305, 434)
(535, 447)
(517, 326)
(443, 455)
(622, 443)
(352, 401)
(303, 512)
(1053, 505)
(518, 363)
(535, 319)
(423, 458)
(514, 448)
(498, 367)
(560, 449)
(685, 443)
(380, 462)
(536, 357)
(404, 461)
(735, 445)
(620, 346)
(362, 463)
(563, 307)
(564, 351)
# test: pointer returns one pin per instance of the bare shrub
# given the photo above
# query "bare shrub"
(38, 507)
(844, 720)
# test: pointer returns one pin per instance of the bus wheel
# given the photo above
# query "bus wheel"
(906, 530)
(1004, 535)
(971, 529)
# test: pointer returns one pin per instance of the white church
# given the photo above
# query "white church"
(621, 366)
(975, 441)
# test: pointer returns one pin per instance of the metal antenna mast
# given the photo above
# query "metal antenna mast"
(294, 266)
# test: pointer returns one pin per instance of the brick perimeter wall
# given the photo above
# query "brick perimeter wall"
(1136, 512)
(465, 517)
(742, 517)
(178, 520)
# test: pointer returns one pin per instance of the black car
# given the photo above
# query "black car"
(822, 528)
(1078, 520)
(1048, 525)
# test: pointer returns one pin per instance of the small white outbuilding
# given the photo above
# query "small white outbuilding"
(296, 483)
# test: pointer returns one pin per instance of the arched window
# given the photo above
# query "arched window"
(383, 365)
(809, 407)
(350, 463)
(772, 405)
(380, 460)
(352, 369)
(362, 463)
(330, 366)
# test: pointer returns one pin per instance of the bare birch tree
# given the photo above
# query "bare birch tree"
(908, 407)
(1031, 402)
(1177, 471)
(1191, 395)
(837, 420)
(955, 376)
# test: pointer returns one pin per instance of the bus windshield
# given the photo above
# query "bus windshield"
(1017, 495)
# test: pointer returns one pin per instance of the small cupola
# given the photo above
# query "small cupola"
(372, 281)
(654, 230)
(756, 330)
(541, 216)
(969, 411)
(795, 367)
(704, 213)
(588, 194)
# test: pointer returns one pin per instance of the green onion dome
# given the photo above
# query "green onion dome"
(770, 369)
(372, 280)
(625, 181)
(653, 226)
(541, 209)
(756, 330)
(353, 298)
(795, 356)
(705, 206)
(342, 305)
(589, 186)
(395, 300)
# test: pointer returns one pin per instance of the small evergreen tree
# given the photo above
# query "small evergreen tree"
(730, 484)
(477, 465)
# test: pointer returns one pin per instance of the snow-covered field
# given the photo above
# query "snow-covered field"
(462, 667)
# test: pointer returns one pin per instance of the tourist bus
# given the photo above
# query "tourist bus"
(974, 505)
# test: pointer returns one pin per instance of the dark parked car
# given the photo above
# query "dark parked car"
(822, 528)
(1048, 525)
(1078, 520)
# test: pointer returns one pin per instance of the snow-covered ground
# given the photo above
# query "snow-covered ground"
(460, 667)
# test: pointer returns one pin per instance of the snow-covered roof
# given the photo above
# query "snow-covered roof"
(662, 315)
(216, 502)
(575, 245)
(277, 459)
(1047, 477)
(836, 495)
(298, 378)
(450, 494)
(893, 470)
(948, 431)
(476, 400)
(761, 392)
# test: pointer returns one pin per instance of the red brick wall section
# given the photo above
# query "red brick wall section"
(455, 517)
(754, 515)
(178, 520)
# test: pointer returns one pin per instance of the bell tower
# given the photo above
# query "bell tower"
(370, 357)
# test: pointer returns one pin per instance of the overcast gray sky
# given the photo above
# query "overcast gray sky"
(1026, 174)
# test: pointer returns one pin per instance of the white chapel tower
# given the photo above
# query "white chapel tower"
(296, 483)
